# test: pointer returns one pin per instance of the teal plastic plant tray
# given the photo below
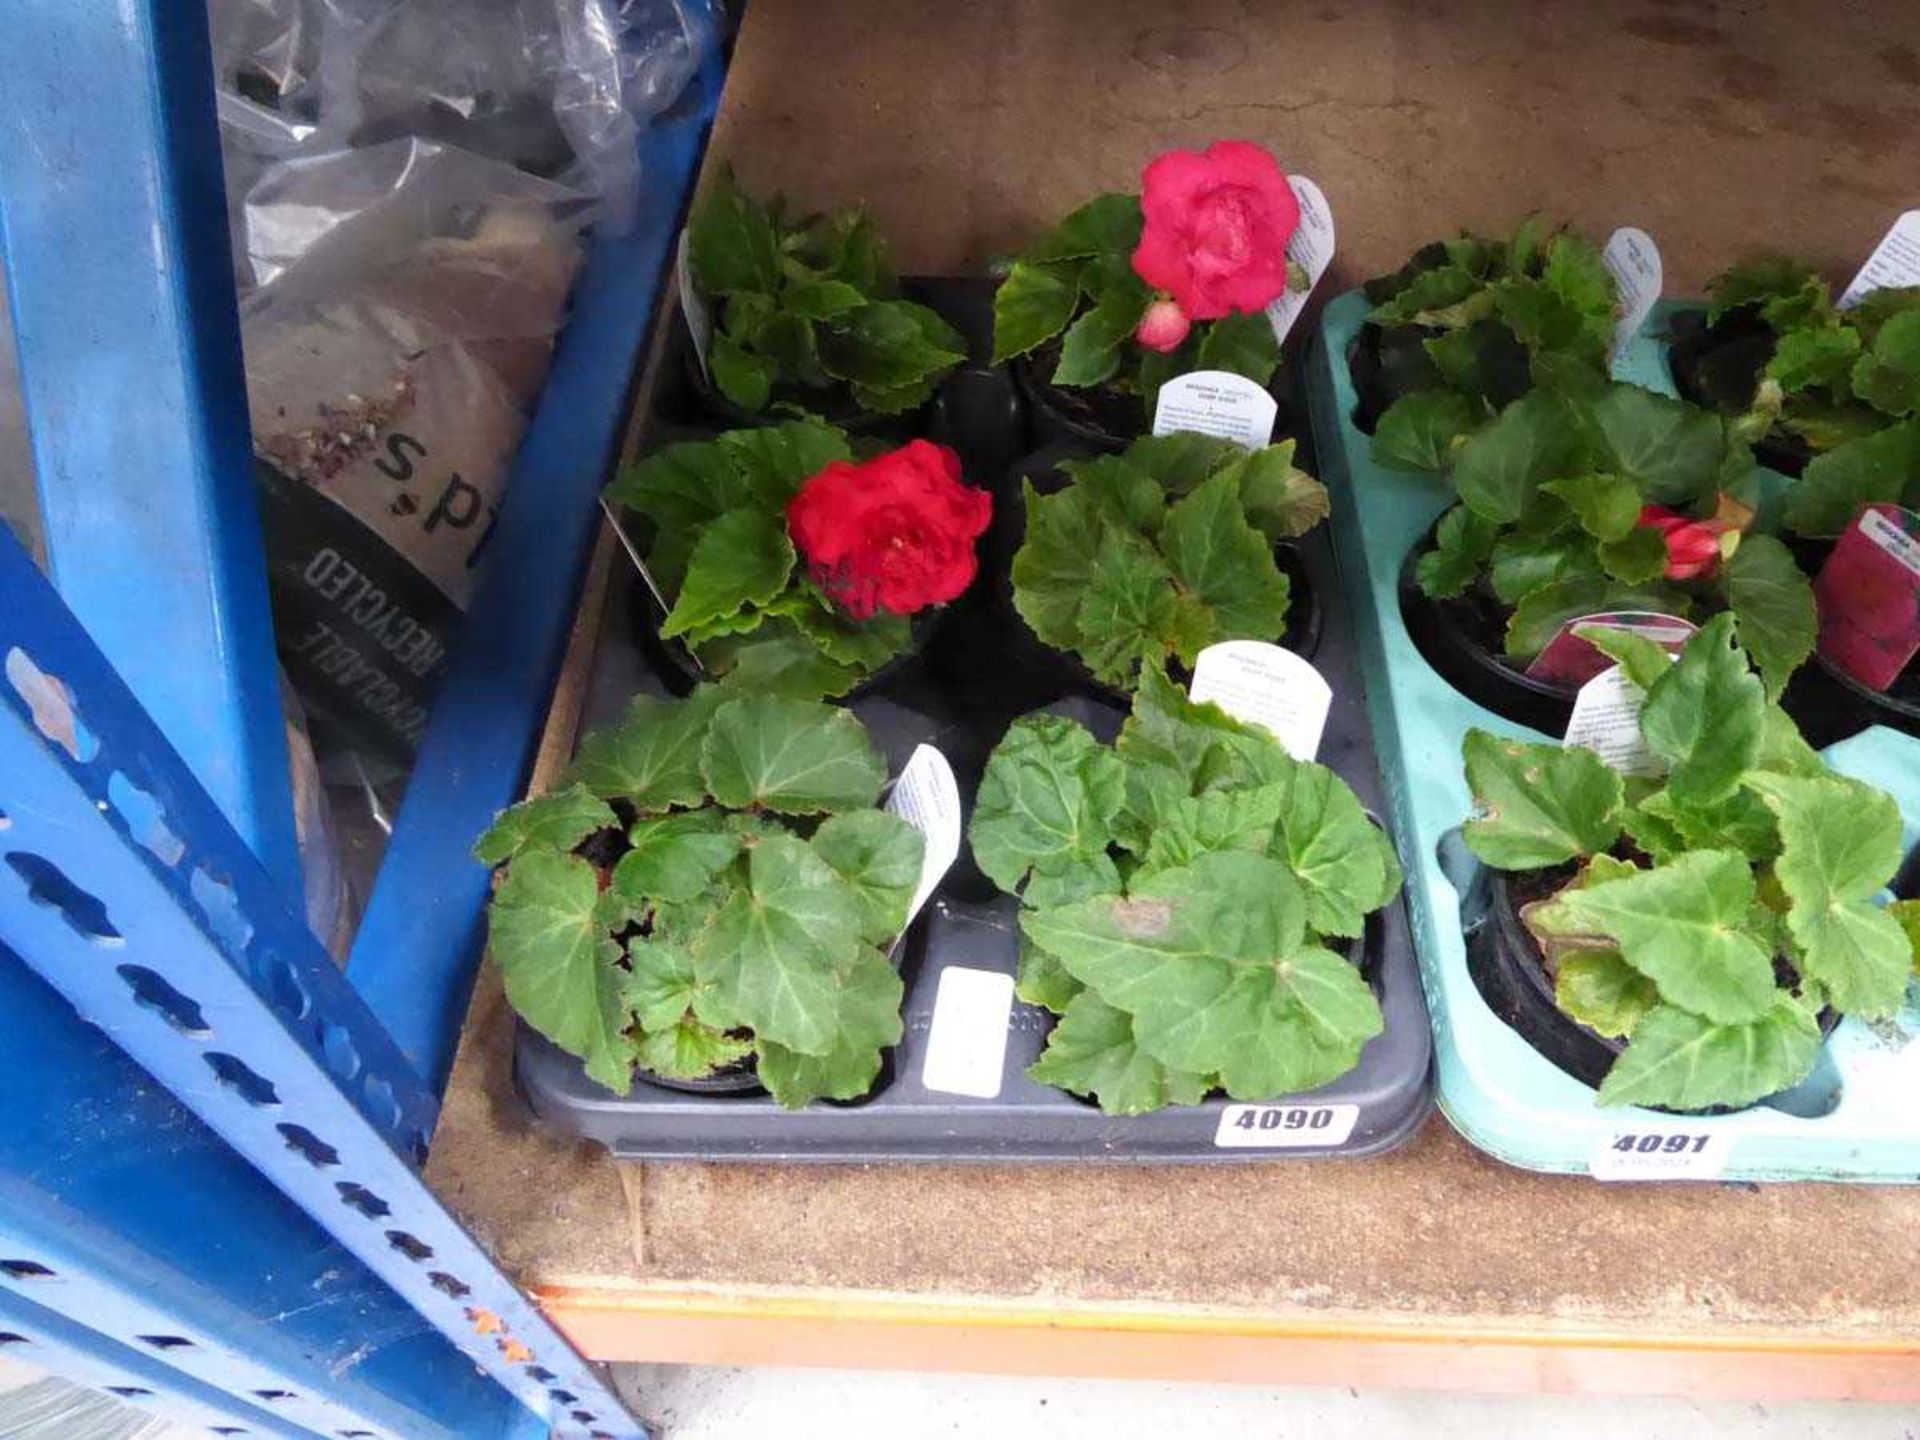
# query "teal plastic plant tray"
(1855, 1118)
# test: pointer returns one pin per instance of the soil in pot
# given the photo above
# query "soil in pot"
(1511, 975)
(1462, 638)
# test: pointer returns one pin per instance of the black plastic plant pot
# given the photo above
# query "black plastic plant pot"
(1388, 362)
(1458, 638)
(1511, 975)
(728, 1080)
(1103, 417)
(1718, 367)
(1829, 705)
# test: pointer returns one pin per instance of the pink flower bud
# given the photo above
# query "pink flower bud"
(1164, 327)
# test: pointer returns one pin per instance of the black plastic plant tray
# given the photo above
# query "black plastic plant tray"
(977, 671)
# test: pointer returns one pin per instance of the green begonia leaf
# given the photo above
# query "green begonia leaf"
(1534, 439)
(1683, 926)
(1196, 825)
(1600, 990)
(1213, 963)
(1637, 558)
(1803, 359)
(879, 855)
(1888, 376)
(1090, 350)
(1906, 914)
(1542, 804)
(742, 376)
(1841, 842)
(1240, 344)
(1607, 506)
(688, 1050)
(651, 756)
(770, 959)
(865, 1020)
(548, 931)
(1670, 450)
(1043, 980)
(742, 559)
(1032, 305)
(730, 241)
(674, 857)
(1224, 563)
(797, 757)
(1092, 1052)
(1423, 430)
(1046, 807)
(890, 344)
(1127, 609)
(1881, 467)
(1054, 565)
(1280, 499)
(1180, 461)
(1345, 863)
(558, 821)
(683, 487)
(1684, 1062)
(1705, 716)
(1773, 602)
(1119, 490)
(660, 987)
(1541, 613)
(1462, 543)
(776, 460)
(1106, 225)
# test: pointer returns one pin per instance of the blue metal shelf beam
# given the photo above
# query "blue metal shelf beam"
(419, 944)
(121, 277)
(68, 1349)
(125, 888)
(123, 1213)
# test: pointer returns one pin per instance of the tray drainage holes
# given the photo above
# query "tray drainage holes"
(228, 1430)
(357, 1435)
(415, 1144)
(25, 1270)
(153, 992)
(545, 1377)
(447, 1285)
(48, 885)
(284, 990)
(336, 1047)
(221, 906)
(585, 1417)
(309, 1146)
(561, 1397)
(128, 1392)
(235, 1074)
(146, 822)
(166, 1342)
(274, 1395)
(7, 1337)
(358, 1197)
(51, 704)
(416, 1250)
(386, 1109)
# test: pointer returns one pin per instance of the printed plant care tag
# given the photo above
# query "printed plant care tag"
(1633, 260)
(967, 1041)
(1660, 1153)
(927, 798)
(699, 323)
(1894, 263)
(1284, 1127)
(1869, 596)
(1216, 402)
(1266, 686)
(1606, 720)
(633, 553)
(1311, 248)
(1571, 660)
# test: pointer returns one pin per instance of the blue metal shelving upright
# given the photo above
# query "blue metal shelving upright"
(254, 1251)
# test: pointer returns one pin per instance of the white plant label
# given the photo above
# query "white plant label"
(1661, 1154)
(1216, 402)
(1284, 1127)
(927, 798)
(1266, 686)
(1633, 260)
(1606, 719)
(1311, 248)
(967, 1041)
(699, 323)
(1895, 262)
(633, 554)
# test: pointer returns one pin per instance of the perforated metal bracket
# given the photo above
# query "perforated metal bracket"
(48, 1339)
(127, 890)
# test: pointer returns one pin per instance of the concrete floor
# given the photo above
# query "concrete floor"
(703, 1403)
